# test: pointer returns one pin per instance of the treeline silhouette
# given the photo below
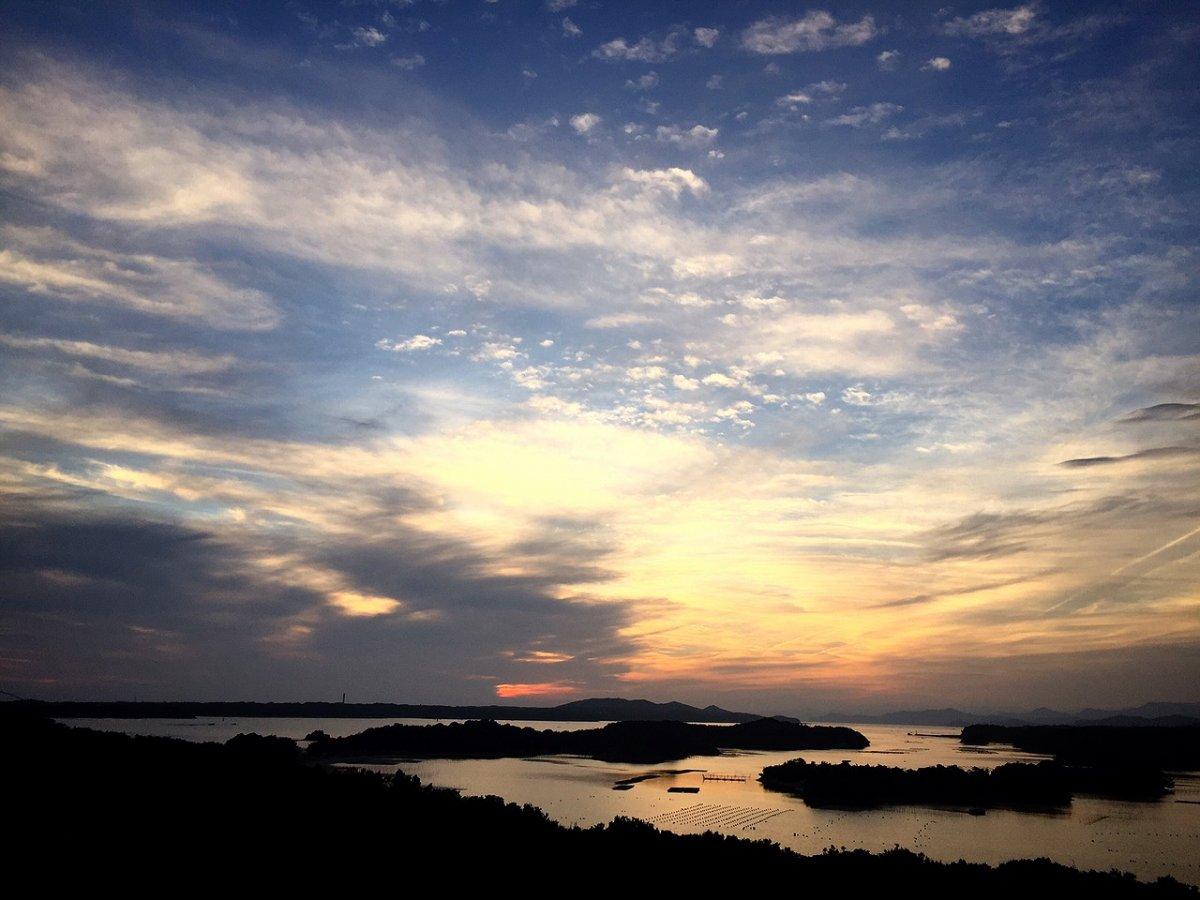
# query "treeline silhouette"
(1044, 785)
(94, 809)
(1164, 747)
(637, 742)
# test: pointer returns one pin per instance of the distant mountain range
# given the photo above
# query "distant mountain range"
(606, 709)
(1147, 714)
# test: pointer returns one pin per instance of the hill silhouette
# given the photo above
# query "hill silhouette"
(603, 709)
(640, 742)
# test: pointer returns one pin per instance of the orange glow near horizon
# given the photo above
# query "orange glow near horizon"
(536, 689)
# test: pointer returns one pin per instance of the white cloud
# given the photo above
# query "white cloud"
(560, 5)
(816, 30)
(867, 115)
(570, 29)
(794, 99)
(828, 87)
(683, 383)
(409, 345)
(713, 83)
(1013, 21)
(618, 320)
(888, 59)
(646, 373)
(937, 64)
(47, 262)
(706, 37)
(644, 82)
(696, 136)
(584, 122)
(672, 180)
(409, 63)
(163, 362)
(857, 396)
(364, 37)
(645, 50)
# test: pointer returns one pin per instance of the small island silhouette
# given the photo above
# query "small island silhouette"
(1171, 747)
(636, 742)
(1029, 786)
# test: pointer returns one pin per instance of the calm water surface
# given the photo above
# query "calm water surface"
(1149, 839)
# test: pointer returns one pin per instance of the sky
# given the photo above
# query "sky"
(786, 357)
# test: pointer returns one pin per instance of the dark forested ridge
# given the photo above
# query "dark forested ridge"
(642, 742)
(254, 811)
(1044, 785)
(602, 709)
(1165, 747)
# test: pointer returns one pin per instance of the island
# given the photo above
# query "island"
(1170, 747)
(1023, 786)
(635, 742)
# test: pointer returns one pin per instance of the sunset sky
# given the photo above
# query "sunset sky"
(790, 358)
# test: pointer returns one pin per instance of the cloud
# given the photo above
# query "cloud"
(646, 49)
(163, 604)
(646, 373)
(570, 29)
(408, 345)
(49, 263)
(857, 396)
(827, 87)
(163, 362)
(866, 115)
(363, 37)
(1015, 21)
(794, 99)
(536, 689)
(644, 82)
(1153, 453)
(936, 64)
(706, 37)
(888, 60)
(1165, 412)
(683, 383)
(618, 320)
(560, 5)
(672, 180)
(696, 136)
(479, 508)
(408, 63)
(585, 122)
(816, 30)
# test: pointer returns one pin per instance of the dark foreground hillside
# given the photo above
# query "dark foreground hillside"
(159, 815)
